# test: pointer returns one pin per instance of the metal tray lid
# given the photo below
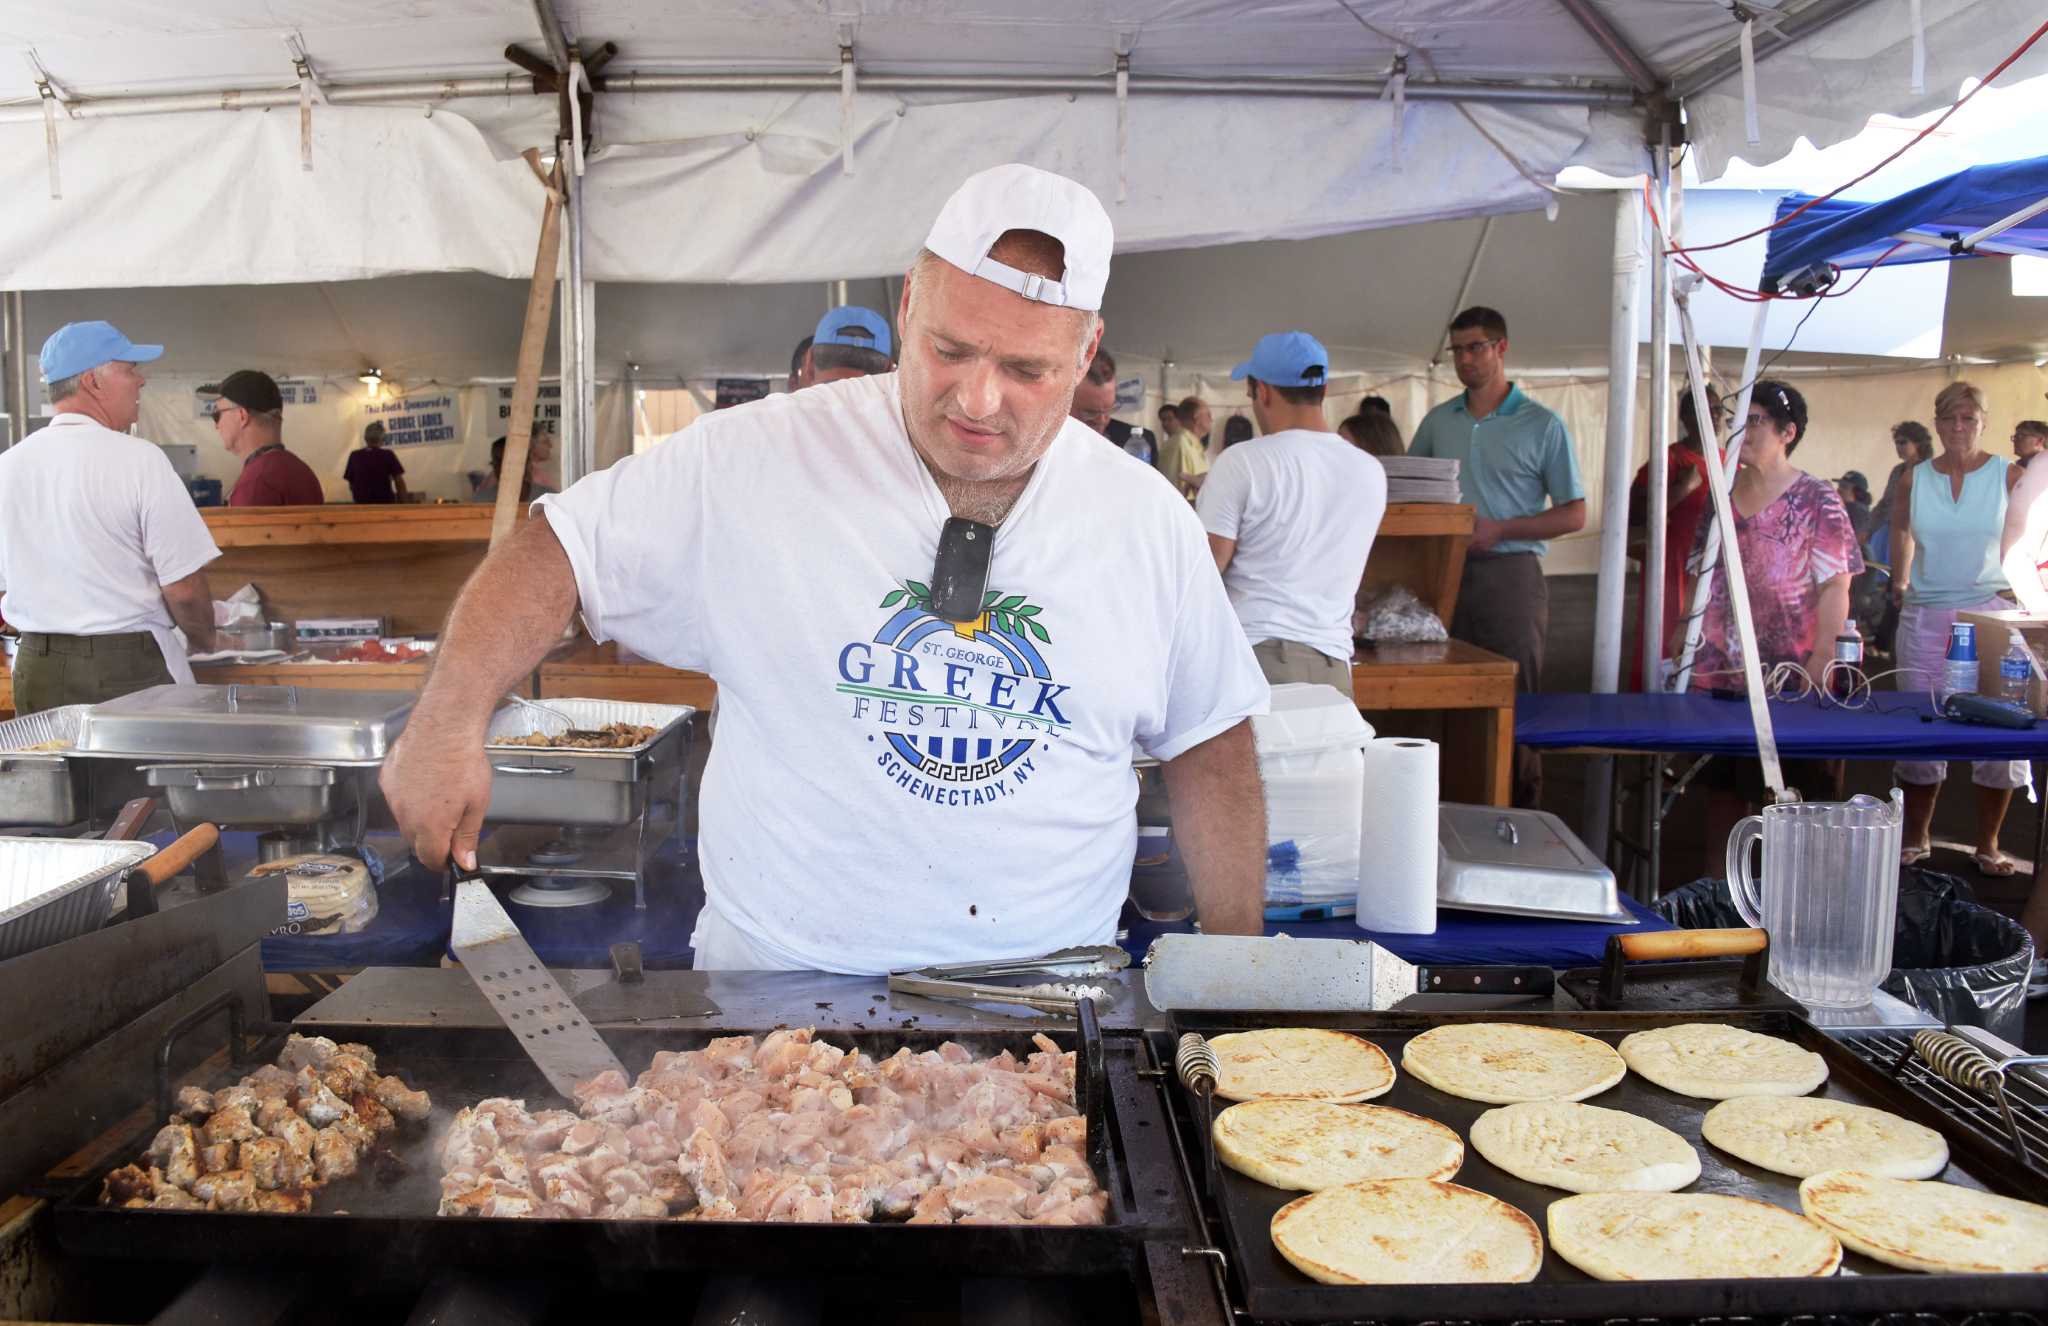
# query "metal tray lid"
(1516, 839)
(289, 723)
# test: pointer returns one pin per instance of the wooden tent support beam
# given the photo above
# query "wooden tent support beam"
(533, 343)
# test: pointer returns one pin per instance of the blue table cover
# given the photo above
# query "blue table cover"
(1898, 726)
(1474, 939)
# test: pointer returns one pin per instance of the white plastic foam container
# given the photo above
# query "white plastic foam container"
(1311, 757)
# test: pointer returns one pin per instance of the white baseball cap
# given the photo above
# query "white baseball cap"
(1019, 197)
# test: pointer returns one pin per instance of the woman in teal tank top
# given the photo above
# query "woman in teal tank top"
(1945, 532)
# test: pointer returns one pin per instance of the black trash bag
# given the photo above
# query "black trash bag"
(1952, 957)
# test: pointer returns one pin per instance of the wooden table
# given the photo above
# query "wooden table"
(605, 672)
(1472, 690)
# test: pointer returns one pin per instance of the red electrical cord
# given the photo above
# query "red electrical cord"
(1909, 144)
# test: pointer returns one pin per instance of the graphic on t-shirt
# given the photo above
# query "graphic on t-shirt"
(957, 711)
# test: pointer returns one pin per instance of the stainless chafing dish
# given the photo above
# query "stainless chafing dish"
(43, 788)
(569, 814)
(256, 757)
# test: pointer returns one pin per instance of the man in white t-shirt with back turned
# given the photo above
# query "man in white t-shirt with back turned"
(102, 553)
(941, 615)
(1291, 517)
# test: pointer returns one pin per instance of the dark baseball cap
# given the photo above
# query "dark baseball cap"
(252, 390)
(1855, 479)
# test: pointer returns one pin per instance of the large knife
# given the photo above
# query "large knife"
(1312, 975)
(537, 1011)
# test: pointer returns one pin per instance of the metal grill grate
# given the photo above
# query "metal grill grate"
(2026, 1091)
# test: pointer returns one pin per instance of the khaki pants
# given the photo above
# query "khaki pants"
(55, 670)
(1285, 660)
(1504, 608)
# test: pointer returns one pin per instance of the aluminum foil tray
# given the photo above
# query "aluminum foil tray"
(54, 889)
(17, 735)
(520, 721)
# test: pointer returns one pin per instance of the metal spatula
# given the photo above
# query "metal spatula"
(1310, 975)
(538, 1012)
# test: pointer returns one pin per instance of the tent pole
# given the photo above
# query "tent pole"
(1710, 552)
(1655, 503)
(533, 342)
(15, 388)
(575, 340)
(1622, 355)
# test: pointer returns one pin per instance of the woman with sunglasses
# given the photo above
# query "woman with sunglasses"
(1799, 553)
(1945, 560)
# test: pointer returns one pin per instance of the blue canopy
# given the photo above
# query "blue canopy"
(1853, 235)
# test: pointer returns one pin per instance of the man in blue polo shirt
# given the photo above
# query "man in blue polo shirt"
(850, 342)
(1516, 468)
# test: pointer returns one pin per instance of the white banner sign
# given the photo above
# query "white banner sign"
(426, 418)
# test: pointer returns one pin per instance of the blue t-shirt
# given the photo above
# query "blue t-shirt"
(1516, 462)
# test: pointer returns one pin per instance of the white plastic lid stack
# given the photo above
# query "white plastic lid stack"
(1311, 759)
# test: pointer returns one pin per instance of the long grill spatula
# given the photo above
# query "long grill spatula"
(538, 1012)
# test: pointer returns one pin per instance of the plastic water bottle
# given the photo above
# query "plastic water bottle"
(1959, 673)
(1849, 653)
(2015, 670)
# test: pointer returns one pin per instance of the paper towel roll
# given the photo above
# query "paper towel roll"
(1397, 837)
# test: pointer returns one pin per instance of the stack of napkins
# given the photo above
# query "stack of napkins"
(1421, 479)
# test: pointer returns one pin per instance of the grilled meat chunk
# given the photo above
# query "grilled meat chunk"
(264, 1158)
(229, 1190)
(409, 1105)
(175, 1151)
(192, 1104)
(231, 1123)
(127, 1184)
(306, 1052)
(334, 1154)
(218, 1158)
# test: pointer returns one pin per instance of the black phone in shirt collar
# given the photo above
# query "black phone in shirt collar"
(960, 571)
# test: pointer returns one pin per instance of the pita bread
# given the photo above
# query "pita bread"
(1300, 1063)
(1407, 1232)
(1584, 1148)
(1935, 1227)
(1502, 1063)
(1807, 1135)
(1310, 1145)
(1687, 1236)
(1717, 1062)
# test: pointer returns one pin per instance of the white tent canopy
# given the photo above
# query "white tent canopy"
(718, 138)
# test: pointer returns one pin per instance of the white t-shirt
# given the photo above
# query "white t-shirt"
(1303, 507)
(93, 524)
(886, 790)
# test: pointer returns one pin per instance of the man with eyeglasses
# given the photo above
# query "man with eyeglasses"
(1516, 468)
(942, 616)
(248, 415)
(102, 553)
(1094, 401)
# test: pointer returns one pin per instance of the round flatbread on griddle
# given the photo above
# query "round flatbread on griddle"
(1584, 1148)
(1807, 1135)
(1502, 1063)
(1717, 1062)
(1687, 1236)
(1300, 1063)
(1407, 1232)
(1310, 1145)
(1933, 1227)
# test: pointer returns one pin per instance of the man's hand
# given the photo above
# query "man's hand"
(1485, 533)
(1219, 820)
(438, 783)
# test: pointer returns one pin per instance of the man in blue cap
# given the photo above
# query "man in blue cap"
(1291, 517)
(1517, 469)
(850, 342)
(101, 549)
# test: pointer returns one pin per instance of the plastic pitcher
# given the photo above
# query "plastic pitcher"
(1829, 893)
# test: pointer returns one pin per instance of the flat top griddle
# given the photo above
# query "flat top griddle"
(391, 1220)
(1272, 1289)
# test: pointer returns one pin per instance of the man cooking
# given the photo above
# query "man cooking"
(892, 787)
(101, 549)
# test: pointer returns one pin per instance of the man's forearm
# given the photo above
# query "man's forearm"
(1568, 518)
(1219, 821)
(191, 605)
(507, 617)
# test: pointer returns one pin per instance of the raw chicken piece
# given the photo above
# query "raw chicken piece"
(230, 1123)
(1071, 1131)
(334, 1155)
(409, 1105)
(175, 1151)
(509, 1166)
(602, 1088)
(703, 1164)
(192, 1104)
(641, 1207)
(491, 1198)
(217, 1158)
(229, 1190)
(602, 1160)
(783, 1051)
(989, 1196)
(471, 1140)
(728, 1054)
(933, 1209)
(549, 1128)
(264, 1158)
(666, 1183)
(305, 1052)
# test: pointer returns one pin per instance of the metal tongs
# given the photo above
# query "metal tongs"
(569, 729)
(962, 981)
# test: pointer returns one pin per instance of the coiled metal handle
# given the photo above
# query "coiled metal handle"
(1196, 1064)
(1956, 1060)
